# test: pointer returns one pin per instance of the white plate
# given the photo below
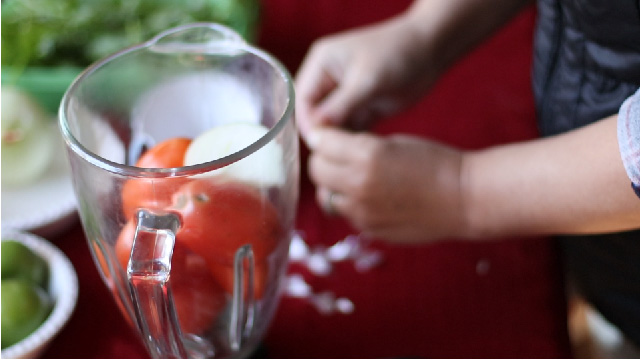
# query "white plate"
(46, 206)
(63, 287)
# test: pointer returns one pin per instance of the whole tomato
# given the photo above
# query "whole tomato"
(155, 193)
(197, 296)
(166, 154)
(220, 216)
(224, 275)
(109, 280)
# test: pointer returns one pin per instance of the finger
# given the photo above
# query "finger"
(312, 85)
(325, 172)
(310, 91)
(341, 103)
(314, 81)
(340, 145)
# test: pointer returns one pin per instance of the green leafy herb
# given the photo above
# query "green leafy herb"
(79, 32)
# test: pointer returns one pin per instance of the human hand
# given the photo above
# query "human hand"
(352, 78)
(399, 188)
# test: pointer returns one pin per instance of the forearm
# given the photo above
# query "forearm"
(566, 184)
(448, 29)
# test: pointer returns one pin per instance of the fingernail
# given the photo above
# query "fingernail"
(313, 138)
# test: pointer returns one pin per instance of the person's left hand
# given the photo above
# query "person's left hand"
(398, 188)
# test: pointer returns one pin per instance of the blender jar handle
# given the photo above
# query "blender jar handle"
(243, 305)
(148, 274)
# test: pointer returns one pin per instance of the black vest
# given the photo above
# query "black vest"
(586, 63)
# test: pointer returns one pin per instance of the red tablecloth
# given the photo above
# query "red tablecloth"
(484, 100)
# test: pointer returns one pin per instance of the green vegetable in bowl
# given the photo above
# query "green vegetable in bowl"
(27, 138)
(25, 306)
(18, 261)
(79, 32)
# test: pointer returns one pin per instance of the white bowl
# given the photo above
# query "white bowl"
(45, 207)
(63, 287)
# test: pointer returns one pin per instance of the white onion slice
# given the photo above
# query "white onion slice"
(263, 168)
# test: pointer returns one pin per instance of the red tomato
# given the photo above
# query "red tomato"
(218, 217)
(124, 243)
(197, 296)
(102, 263)
(155, 193)
(166, 154)
(224, 275)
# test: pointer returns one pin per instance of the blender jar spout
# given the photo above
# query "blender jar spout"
(199, 38)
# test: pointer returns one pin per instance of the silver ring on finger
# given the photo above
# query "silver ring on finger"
(329, 206)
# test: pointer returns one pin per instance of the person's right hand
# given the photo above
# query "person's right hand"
(352, 78)
(400, 188)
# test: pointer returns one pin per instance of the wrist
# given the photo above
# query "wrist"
(464, 191)
(417, 47)
(472, 219)
(453, 194)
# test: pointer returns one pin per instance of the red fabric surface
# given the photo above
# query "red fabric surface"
(423, 301)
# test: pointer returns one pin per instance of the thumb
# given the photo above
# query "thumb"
(344, 100)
